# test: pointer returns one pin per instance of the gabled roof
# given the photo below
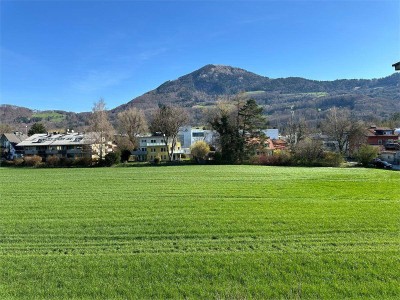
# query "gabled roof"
(374, 131)
(15, 138)
(396, 66)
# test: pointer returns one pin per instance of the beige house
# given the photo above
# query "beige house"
(153, 147)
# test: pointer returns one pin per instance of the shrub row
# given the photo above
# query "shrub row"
(51, 161)
(55, 161)
(284, 158)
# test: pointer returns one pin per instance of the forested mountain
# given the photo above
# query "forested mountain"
(368, 99)
(309, 99)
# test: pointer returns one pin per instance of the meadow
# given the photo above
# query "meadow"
(209, 232)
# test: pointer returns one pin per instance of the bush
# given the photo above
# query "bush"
(331, 159)
(32, 161)
(82, 162)
(18, 162)
(66, 162)
(365, 154)
(112, 158)
(157, 160)
(7, 163)
(125, 154)
(199, 150)
(279, 158)
(52, 161)
(308, 152)
(215, 157)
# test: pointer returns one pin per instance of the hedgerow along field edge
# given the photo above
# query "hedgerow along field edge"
(199, 232)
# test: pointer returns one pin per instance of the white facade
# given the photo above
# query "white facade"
(189, 135)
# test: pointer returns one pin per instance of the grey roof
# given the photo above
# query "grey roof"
(44, 139)
(15, 138)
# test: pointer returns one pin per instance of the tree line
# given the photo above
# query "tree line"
(239, 125)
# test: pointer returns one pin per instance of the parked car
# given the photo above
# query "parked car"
(381, 164)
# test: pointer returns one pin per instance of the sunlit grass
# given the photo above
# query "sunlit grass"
(199, 232)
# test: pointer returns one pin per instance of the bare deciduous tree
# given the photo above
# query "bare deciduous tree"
(167, 120)
(100, 124)
(340, 126)
(132, 122)
(337, 126)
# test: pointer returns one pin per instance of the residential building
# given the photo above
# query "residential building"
(68, 145)
(266, 146)
(327, 143)
(189, 135)
(9, 142)
(153, 146)
(380, 136)
(392, 157)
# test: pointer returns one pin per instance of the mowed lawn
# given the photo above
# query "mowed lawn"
(210, 232)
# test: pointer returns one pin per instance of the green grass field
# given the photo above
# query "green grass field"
(210, 232)
(49, 116)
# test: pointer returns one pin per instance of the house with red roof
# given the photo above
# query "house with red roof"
(380, 136)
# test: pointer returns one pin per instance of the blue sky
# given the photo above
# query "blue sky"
(66, 55)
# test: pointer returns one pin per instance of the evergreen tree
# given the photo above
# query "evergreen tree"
(236, 126)
(37, 128)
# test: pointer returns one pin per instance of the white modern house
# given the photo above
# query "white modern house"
(189, 135)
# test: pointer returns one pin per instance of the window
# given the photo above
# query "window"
(198, 134)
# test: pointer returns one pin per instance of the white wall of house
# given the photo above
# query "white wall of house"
(189, 135)
(392, 157)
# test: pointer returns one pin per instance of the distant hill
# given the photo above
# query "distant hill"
(310, 99)
(20, 117)
(368, 99)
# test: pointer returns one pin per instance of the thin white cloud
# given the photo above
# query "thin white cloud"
(15, 59)
(97, 80)
(151, 53)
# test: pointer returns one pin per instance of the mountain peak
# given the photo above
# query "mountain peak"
(212, 69)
